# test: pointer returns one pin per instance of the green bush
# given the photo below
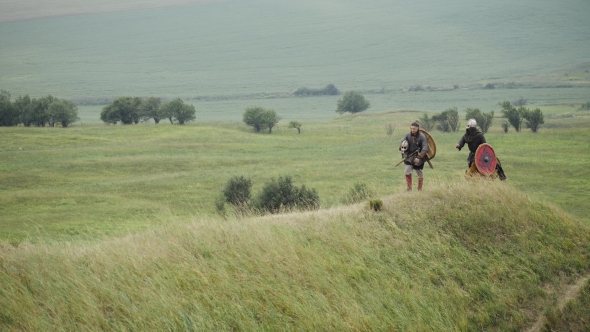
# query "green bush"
(376, 204)
(237, 190)
(281, 194)
(585, 106)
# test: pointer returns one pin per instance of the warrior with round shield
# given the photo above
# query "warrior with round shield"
(482, 158)
(414, 147)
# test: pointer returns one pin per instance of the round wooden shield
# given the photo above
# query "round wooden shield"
(485, 159)
(431, 145)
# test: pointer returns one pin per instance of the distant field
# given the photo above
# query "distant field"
(17, 10)
(262, 46)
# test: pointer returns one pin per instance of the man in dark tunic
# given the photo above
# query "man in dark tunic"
(417, 145)
(474, 138)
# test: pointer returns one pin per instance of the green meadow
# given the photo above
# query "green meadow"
(112, 227)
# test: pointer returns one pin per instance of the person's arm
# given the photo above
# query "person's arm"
(424, 147)
(461, 143)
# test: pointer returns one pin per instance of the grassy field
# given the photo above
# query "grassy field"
(95, 179)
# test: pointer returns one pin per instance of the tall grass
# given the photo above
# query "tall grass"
(457, 256)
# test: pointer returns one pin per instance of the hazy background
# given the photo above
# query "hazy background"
(225, 56)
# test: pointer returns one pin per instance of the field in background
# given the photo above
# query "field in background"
(235, 48)
(96, 179)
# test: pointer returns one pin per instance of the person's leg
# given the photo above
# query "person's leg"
(408, 173)
(420, 174)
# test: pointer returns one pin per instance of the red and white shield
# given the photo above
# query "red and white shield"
(485, 159)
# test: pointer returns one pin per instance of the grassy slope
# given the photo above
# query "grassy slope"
(445, 259)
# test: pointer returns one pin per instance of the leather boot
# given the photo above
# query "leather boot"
(409, 182)
(420, 182)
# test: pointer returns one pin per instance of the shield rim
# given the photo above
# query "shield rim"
(431, 144)
(482, 146)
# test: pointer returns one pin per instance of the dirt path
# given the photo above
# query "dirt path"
(571, 292)
(11, 10)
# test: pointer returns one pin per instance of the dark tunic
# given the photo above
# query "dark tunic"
(474, 138)
(417, 142)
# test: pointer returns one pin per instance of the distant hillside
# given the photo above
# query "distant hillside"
(241, 47)
(460, 256)
(30, 9)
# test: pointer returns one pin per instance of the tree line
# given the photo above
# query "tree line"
(37, 112)
(516, 116)
(131, 110)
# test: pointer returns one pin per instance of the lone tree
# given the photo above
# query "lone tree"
(296, 125)
(179, 111)
(484, 120)
(514, 115)
(534, 119)
(352, 102)
(258, 118)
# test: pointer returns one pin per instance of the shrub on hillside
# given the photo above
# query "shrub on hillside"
(585, 106)
(281, 194)
(237, 190)
(352, 102)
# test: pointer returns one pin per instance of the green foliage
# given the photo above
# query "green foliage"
(177, 110)
(447, 121)
(352, 102)
(376, 205)
(36, 112)
(281, 194)
(484, 120)
(357, 193)
(9, 115)
(585, 106)
(534, 119)
(328, 90)
(62, 111)
(124, 109)
(427, 123)
(150, 109)
(259, 118)
(295, 124)
(237, 190)
(514, 115)
(270, 119)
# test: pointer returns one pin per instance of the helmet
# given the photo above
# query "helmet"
(471, 123)
(404, 146)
